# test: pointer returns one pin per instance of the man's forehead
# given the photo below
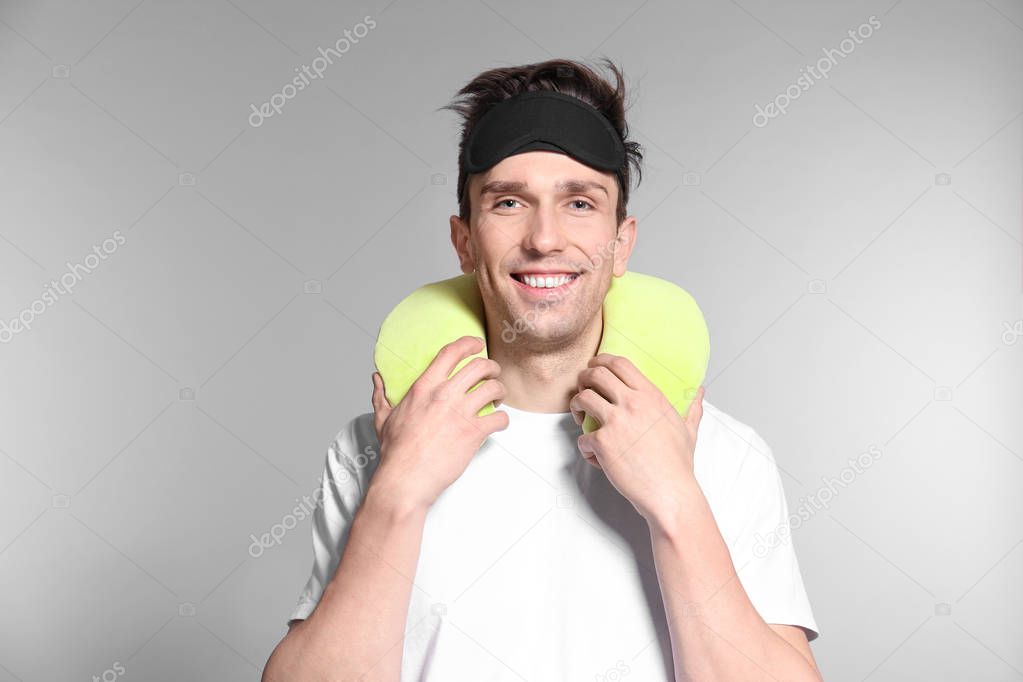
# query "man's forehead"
(539, 170)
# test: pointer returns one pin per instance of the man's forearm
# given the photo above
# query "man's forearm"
(358, 626)
(716, 633)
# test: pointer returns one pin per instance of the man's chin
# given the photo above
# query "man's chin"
(527, 330)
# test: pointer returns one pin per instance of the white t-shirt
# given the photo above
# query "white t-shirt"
(533, 566)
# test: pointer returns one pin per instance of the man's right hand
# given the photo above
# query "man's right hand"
(428, 439)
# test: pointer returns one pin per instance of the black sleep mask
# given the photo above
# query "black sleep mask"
(544, 120)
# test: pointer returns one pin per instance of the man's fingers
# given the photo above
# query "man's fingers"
(450, 355)
(587, 450)
(379, 397)
(622, 368)
(381, 407)
(590, 402)
(694, 413)
(601, 379)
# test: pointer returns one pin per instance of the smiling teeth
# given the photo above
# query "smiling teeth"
(547, 282)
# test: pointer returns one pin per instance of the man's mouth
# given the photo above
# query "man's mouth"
(545, 280)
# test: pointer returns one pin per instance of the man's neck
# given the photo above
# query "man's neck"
(543, 378)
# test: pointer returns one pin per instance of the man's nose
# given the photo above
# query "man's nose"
(545, 232)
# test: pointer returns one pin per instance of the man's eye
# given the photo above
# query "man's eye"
(586, 206)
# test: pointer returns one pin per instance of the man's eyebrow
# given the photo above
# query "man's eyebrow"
(502, 186)
(580, 186)
(512, 186)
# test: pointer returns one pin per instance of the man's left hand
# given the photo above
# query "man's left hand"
(644, 446)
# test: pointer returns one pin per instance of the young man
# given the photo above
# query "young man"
(512, 546)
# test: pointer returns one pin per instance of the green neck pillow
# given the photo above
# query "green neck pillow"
(651, 321)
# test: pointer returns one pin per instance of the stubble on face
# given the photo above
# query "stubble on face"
(565, 324)
(536, 321)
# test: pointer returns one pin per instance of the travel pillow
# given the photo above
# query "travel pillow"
(654, 323)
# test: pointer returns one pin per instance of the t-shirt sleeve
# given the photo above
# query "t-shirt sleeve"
(341, 491)
(763, 551)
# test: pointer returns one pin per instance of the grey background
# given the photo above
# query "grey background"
(858, 260)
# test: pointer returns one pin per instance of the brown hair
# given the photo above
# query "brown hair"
(561, 75)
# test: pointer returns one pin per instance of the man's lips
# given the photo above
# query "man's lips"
(541, 292)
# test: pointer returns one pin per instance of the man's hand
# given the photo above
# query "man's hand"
(429, 437)
(643, 445)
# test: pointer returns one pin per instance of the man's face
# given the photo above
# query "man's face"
(540, 215)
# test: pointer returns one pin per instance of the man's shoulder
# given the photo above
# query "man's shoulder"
(724, 431)
(359, 430)
(354, 452)
(726, 446)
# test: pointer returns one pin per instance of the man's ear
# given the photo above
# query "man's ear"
(624, 242)
(463, 245)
